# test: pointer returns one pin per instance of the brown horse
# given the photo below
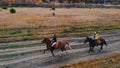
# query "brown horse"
(61, 45)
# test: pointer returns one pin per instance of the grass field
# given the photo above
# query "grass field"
(35, 23)
(106, 62)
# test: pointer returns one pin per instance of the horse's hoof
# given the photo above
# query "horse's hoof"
(52, 57)
(66, 53)
(60, 55)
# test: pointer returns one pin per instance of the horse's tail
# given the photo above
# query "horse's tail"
(68, 45)
(104, 42)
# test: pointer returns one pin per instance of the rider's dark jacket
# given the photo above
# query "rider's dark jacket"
(54, 39)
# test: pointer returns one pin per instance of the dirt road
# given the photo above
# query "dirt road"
(33, 57)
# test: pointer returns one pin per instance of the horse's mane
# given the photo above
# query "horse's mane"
(90, 38)
(48, 38)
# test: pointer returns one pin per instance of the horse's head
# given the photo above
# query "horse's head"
(88, 39)
(46, 40)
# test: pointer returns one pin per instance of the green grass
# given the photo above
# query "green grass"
(88, 30)
(26, 34)
(94, 28)
(23, 34)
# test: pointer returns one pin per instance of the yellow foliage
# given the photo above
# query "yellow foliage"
(6, 1)
(40, 1)
(13, 1)
(0, 9)
(9, 3)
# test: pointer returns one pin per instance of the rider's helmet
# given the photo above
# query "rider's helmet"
(95, 32)
(53, 34)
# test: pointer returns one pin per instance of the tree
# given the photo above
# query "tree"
(40, 1)
(14, 1)
(5, 1)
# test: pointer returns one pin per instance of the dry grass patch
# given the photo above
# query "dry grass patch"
(35, 17)
(106, 62)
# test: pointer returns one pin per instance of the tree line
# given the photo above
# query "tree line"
(11, 2)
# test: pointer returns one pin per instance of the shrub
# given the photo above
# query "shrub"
(40, 2)
(53, 8)
(53, 14)
(12, 10)
(4, 7)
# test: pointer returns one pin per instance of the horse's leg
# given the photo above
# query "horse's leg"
(101, 48)
(51, 50)
(92, 48)
(64, 49)
(68, 45)
(52, 53)
(45, 50)
(89, 49)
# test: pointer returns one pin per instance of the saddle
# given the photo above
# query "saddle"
(56, 46)
(99, 41)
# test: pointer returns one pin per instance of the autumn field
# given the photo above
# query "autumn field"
(21, 35)
(35, 23)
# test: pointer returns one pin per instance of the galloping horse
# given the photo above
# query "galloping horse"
(61, 45)
(92, 43)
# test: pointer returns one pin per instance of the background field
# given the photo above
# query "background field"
(35, 23)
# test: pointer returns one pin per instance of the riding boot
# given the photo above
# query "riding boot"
(96, 42)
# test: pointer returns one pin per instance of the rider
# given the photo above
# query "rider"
(54, 39)
(96, 37)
